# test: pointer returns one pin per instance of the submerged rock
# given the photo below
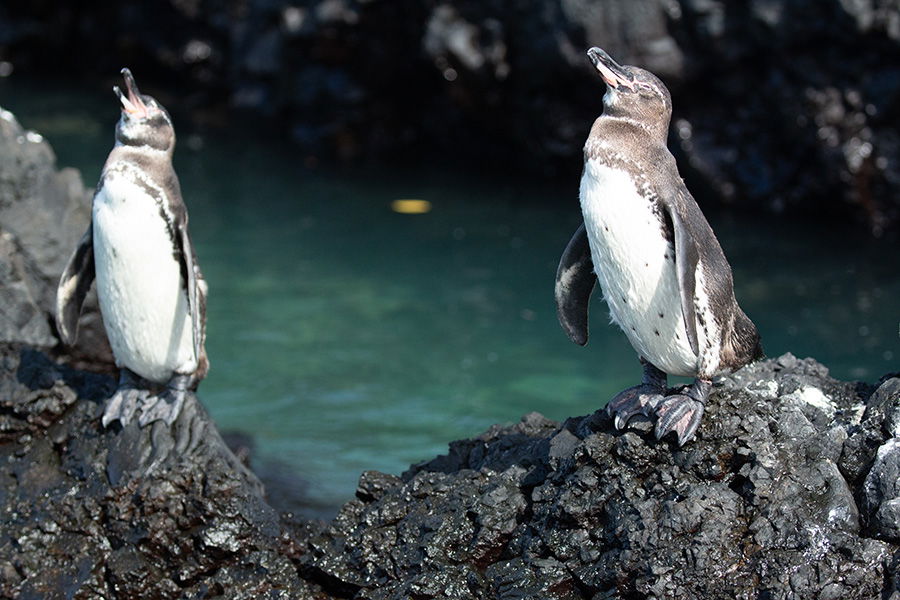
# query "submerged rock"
(777, 498)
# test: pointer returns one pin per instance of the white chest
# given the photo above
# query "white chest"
(635, 267)
(139, 285)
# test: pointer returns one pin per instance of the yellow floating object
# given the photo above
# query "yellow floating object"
(411, 207)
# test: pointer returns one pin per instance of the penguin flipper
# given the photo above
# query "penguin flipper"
(575, 280)
(686, 258)
(196, 289)
(73, 287)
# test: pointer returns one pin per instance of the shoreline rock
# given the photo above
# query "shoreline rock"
(112, 513)
(44, 211)
(790, 491)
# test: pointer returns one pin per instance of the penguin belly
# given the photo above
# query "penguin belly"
(635, 266)
(139, 283)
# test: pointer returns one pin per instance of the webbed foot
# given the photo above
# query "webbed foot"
(640, 399)
(125, 402)
(682, 412)
(166, 406)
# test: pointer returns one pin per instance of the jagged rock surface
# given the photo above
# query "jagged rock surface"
(780, 104)
(790, 491)
(90, 512)
(786, 493)
(43, 213)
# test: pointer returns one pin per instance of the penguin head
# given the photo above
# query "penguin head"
(633, 92)
(144, 122)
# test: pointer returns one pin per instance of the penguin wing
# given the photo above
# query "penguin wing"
(196, 286)
(575, 280)
(73, 287)
(686, 258)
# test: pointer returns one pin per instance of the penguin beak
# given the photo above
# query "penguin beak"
(131, 103)
(612, 72)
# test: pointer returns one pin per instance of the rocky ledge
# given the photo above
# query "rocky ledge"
(791, 490)
(43, 213)
(90, 512)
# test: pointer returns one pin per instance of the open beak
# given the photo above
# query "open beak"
(612, 72)
(131, 103)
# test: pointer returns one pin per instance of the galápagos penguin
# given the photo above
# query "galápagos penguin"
(657, 260)
(151, 291)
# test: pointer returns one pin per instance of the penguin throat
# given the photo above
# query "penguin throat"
(657, 131)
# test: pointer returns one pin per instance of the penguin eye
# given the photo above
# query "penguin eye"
(647, 89)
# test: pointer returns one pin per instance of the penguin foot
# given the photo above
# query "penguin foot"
(125, 402)
(122, 406)
(166, 406)
(682, 412)
(640, 399)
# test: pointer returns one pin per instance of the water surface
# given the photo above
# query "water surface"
(345, 336)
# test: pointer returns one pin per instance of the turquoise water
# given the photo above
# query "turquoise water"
(344, 336)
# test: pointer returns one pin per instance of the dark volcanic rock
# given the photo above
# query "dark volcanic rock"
(790, 491)
(773, 500)
(96, 513)
(778, 104)
(43, 213)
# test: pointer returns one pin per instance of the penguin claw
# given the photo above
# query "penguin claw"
(640, 399)
(165, 407)
(681, 414)
(122, 405)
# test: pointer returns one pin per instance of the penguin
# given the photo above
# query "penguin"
(646, 243)
(151, 291)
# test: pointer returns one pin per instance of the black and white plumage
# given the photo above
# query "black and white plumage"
(659, 264)
(151, 291)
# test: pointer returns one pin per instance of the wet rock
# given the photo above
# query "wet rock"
(43, 213)
(882, 483)
(757, 506)
(125, 513)
(23, 320)
(790, 490)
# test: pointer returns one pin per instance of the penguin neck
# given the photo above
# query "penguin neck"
(145, 149)
(151, 159)
(623, 134)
